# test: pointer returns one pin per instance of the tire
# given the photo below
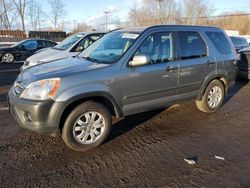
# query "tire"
(213, 97)
(7, 58)
(77, 133)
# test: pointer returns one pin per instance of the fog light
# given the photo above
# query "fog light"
(27, 117)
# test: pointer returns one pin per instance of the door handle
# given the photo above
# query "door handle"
(210, 62)
(171, 68)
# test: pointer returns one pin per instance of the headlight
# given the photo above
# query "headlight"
(29, 63)
(42, 89)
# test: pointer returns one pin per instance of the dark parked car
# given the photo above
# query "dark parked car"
(71, 46)
(239, 43)
(244, 63)
(23, 49)
(125, 72)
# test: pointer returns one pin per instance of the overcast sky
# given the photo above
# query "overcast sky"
(91, 11)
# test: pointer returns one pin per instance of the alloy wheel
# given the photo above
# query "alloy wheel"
(89, 127)
(214, 97)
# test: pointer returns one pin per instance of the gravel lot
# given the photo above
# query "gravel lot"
(146, 150)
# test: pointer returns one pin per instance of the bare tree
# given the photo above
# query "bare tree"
(196, 11)
(239, 21)
(82, 27)
(20, 6)
(35, 14)
(7, 14)
(155, 12)
(57, 12)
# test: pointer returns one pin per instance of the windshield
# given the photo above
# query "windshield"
(68, 42)
(110, 48)
(239, 41)
(18, 43)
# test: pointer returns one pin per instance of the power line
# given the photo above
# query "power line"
(217, 16)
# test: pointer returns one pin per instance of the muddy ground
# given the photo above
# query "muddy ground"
(145, 150)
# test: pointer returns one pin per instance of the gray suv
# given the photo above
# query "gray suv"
(127, 71)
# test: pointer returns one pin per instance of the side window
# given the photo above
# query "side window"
(220, 42)
(191, 45)
(157, 47)
(86, 42)
(94, 38)
(42, 44)
(30, 45)
(50, 44)
(80, 46)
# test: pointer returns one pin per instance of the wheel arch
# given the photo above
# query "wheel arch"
(205, 84)
(100, 97)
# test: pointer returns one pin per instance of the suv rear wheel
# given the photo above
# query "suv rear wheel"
(213, 97)
(87, 126)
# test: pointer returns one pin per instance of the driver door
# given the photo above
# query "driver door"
(154, 84)
(27, 49)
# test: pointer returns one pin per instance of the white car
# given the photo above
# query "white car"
(71, 46)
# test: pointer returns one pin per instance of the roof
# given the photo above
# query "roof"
(141, 29)
(89, 32)
(237, 37)
(38, 39)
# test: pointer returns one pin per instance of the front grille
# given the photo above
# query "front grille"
(245, 58)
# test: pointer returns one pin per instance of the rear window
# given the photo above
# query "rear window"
(220, 42)
(239, 41)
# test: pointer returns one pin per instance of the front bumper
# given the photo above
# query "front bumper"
(244, 71)
(38, 116)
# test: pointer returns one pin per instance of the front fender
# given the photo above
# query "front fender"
(82, 90)
(88, 91)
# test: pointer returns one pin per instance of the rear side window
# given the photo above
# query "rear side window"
(220, 42)
(191, 45)
(42, 44)
(50, 44)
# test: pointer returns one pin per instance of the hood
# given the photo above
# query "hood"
(5, 48)
(59, 68)
(244, 50)
(43, 49)
(240, 47)
(46, 55)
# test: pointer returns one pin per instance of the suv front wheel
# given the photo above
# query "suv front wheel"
(213, 97)
(87, 126)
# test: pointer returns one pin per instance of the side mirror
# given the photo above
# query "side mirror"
(139, 60)
(22, 47)
(79, 49)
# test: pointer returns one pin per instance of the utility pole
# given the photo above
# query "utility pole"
(159, 10)
(74, 25)
(106, 12)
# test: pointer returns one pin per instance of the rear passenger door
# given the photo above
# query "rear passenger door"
(194, 63)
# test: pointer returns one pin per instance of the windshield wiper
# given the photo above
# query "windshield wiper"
(91, 59)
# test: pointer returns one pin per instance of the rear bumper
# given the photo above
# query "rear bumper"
(38, 116)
